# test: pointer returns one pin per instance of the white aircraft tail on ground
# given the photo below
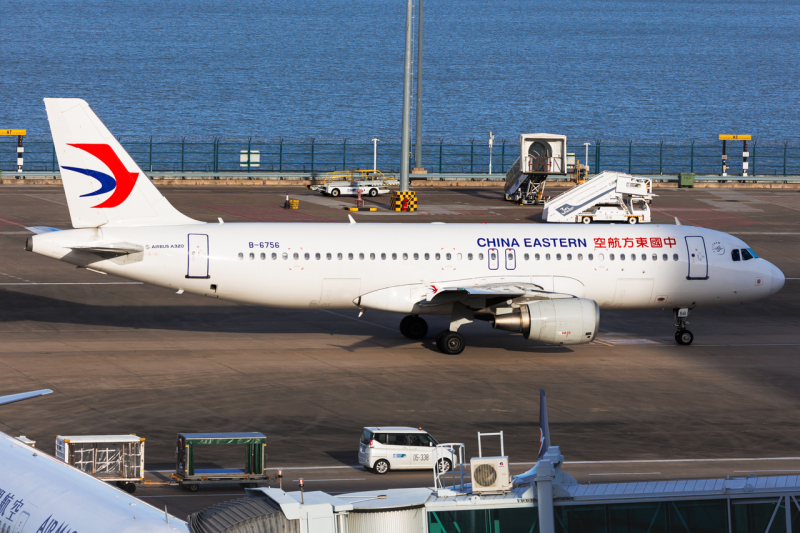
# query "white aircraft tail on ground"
(82, 141)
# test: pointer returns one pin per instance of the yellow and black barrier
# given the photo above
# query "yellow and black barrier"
(408, 198)
(360, 208)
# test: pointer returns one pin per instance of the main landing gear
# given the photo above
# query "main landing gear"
(449, 341)
(683, 335)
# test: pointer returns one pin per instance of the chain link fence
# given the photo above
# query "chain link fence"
(315, 157)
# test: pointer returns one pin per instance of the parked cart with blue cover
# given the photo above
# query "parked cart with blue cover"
(191, 477)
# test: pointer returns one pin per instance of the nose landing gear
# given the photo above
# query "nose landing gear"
(682, 336)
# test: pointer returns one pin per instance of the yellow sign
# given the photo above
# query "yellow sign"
(13, 132)
(735, 137)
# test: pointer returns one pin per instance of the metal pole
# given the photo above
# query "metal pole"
(405, 144)
(587, 154)
(344, 155)
(630, 155)
(691, 162)
(375, 154)
(418, 150)
(784, 157)
(491, 142)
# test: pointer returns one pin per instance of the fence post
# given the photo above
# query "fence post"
(630, 155)
(597, 157)
(248, 153)
(280, 156)
(312, 155)
(441, 142)
(54, 160)
(344, 155)
(183, 157)
(785, 144)
(503, 157)
(215, 165)
(753, 158)
(471, 156)
(661, 159)
(691, 160)
(151, 153)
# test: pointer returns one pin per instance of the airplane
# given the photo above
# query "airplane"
(547, 282)
(39, 493)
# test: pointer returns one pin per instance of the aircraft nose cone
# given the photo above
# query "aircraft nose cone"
(778, 279)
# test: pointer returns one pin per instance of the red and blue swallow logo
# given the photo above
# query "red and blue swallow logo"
(121, 182)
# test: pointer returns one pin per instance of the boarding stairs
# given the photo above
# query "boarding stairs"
(607, 188)
(522, 187)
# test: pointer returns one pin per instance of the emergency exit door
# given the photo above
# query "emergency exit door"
(698, 260)
(198, 256)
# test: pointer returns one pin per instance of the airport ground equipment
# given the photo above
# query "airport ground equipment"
(404, 201)
(117, 458)
(541, 155)
(349, 182)
(191, 477)
(608, 197)
(686, 179)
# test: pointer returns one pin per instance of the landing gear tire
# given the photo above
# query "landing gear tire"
(586, 220)
(444, 465)
(633, 220)
(684, 337)
(413, 327)
(192, 487)
(450, 342)
(380, 467)
(335, 193)
(373, 193)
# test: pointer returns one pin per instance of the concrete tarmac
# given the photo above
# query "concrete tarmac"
(125, 357)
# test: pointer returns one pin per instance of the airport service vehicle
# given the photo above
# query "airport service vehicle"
(117, 458)
(350, 182)
(400, 448)
(190, 476)
(545, 281)
(40, 493)
(607, 197)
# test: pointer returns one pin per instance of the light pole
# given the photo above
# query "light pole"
(586, 161)
(405, 144)
(375, 154)
(418, 150)
(491, 142)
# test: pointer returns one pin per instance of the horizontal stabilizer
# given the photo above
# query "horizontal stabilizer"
(38, 230)
(113, 247)
(11, 398)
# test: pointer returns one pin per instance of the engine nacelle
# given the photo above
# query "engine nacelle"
(564, 321)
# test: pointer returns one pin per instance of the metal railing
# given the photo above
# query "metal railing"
(219, 155)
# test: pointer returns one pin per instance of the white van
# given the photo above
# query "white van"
(401, 448)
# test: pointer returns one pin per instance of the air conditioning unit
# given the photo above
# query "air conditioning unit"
(490, 474)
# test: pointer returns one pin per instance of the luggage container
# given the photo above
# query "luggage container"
(191, 477)
(118, 458)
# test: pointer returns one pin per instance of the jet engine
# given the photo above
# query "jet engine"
(563, 321)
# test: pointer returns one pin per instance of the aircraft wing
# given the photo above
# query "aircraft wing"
(11, 398)
(517, 291)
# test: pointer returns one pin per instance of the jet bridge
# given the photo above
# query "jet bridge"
(541, 155)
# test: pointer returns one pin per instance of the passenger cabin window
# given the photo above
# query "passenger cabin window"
(494, 260)
(674, 257)
(329, 256)
(285, 256)
(274, 255)
(735, 255)
(383, 256)
(480, 257)
(394, 256)
(469, 257)
(350, 256)
(405, 257)
(527, 257)
(437, 256)
(547, 257)
(591, 257)
(361, 256)
(558, 257)
(372, 257)
(580, 257)
(318, 256)
(448, 257)
(340, 256)
(664, 257)
(416, 257)
(537, 257)
(569, 257)
(307, 256)
(655, 257)
(296, 255)
(241, 255)
(252, 256)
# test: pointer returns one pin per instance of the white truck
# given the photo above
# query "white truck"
(350, 182)
(607, 197)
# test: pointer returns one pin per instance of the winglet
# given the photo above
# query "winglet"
(11, 398)
(352, 220)
(544, 427)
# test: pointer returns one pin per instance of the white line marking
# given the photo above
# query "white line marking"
(358, 319)
(343, 479)
(626, 474)
(93, 283)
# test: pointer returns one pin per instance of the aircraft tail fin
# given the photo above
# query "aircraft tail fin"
(103, 184)
(544, 427)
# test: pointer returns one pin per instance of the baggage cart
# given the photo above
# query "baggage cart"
(117, 458)
(191, 477)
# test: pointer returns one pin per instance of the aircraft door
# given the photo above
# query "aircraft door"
(494, 258)
(511, 259)
(22, 519)
(698, 260)
(198, 256)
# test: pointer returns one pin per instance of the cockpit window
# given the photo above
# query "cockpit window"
(735, 255)
(747, 254)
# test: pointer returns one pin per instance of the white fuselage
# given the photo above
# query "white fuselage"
(288, 265)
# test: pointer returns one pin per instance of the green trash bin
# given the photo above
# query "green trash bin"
(685, 179)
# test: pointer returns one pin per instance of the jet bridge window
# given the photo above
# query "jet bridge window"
(735, 255)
